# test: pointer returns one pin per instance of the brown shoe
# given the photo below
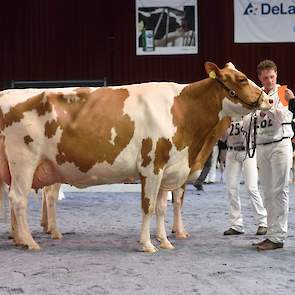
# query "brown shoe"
(269, 245)
(262, 230)
(257, 244)
(231, 232)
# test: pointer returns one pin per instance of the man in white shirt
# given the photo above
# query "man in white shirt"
(274, 156)
(236, 161)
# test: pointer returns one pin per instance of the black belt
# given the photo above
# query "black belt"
(236, 148)
(273, 141)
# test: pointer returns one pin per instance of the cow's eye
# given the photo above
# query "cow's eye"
(243, 80)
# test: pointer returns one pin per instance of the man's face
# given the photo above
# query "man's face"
(268, 79)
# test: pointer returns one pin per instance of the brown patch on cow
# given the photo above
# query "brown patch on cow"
(163, 148)
(195, 113)
(145, 202)
(50, 128)
(216, 133)
(16, 113)
(86, 127)
(146, 147)
(28, 139)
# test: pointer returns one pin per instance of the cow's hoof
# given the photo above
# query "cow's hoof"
(33, 246)
(149, 249)
(18, 242)
(182, 235)
(166, 245)
(56, 235)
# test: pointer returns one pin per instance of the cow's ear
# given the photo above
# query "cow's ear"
(230, 65)
(212, 69)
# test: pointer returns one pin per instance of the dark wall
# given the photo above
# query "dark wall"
(92, 39)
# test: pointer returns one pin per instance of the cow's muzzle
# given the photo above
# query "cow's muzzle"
(266, 102)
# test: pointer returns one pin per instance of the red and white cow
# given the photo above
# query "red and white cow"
(159, 132)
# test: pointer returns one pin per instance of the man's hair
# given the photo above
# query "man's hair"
(266, 65)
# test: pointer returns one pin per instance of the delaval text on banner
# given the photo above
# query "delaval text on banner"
(264, 21)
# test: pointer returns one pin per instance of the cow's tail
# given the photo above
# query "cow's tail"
(3, 202)
(2, 123)
(3, 187)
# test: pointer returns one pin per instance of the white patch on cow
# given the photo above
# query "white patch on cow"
(17, 96)
(150, 105)
(232, 109)
(65, 112)
(177, 169)
(113, 136)
(71, 98)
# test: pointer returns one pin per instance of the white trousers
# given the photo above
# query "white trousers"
(235, 163)
(274, 164)
(211, 177)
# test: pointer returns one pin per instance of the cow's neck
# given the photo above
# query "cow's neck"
(195, 114)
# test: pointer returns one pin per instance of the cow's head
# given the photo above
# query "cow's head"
(241, 94)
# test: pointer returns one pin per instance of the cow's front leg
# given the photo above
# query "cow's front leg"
(161, 214)
(149, 190)
(178, 227)
(49, 200)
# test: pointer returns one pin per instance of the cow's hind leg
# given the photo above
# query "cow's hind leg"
(22, 172)
(150, 188)
(161, 214)
(19, 203)
(48, 220)
(44, 218)
(13, 234)
(178, 227)
(13, 226)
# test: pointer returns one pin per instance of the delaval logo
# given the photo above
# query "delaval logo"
(268, 9)
(251, 9)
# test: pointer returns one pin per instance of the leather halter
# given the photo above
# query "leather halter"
(233, 94)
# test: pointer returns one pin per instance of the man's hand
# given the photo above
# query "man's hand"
(262, 114)
(289, 94)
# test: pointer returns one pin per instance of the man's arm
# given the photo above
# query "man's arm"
(289, 94)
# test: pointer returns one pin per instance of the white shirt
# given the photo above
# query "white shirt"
(276, 124)
(236, 134)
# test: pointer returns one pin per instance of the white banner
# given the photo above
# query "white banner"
(265, 21)
(166, 27)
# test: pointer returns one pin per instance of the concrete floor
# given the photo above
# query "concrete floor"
(100, 254)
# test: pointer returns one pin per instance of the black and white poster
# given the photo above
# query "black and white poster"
(166, 27)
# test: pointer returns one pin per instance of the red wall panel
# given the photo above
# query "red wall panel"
(93, 39)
